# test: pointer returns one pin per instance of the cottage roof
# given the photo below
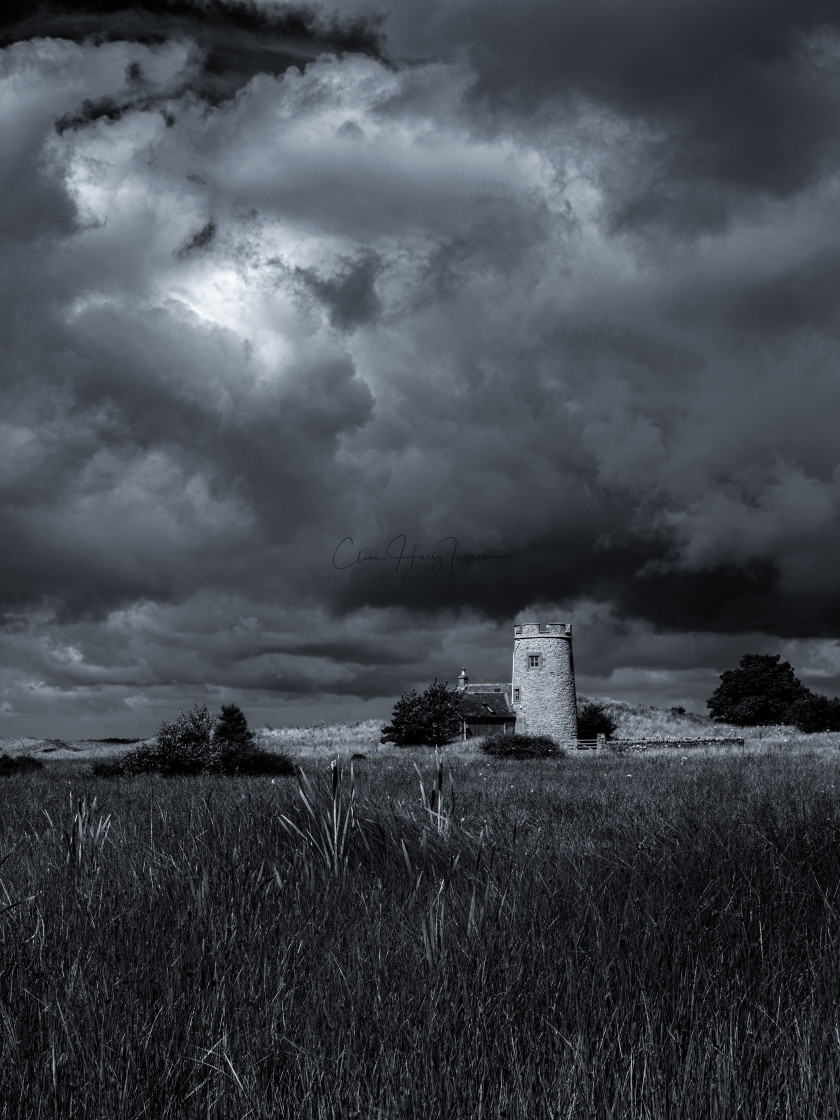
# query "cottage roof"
(484, 701)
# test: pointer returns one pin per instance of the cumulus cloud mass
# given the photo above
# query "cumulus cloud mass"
(331, 342)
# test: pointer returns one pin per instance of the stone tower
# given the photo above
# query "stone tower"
(543, 685)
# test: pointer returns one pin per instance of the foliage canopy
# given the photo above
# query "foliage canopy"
(594, 720)
(765, 690)
(424, 719)
(198, 743)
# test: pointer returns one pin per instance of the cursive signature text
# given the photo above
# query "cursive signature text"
(398, 553)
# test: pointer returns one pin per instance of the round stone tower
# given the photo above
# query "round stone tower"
(543, 686)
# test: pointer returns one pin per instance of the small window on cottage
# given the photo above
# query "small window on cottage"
(533, 661)
(516, 696)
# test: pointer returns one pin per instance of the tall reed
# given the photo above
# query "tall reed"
(624, 937)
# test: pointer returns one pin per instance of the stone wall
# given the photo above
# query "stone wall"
(677, 743)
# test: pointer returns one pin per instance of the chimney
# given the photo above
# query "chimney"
(462, 681)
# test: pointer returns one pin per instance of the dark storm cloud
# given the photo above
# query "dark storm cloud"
(727, 95)
(150, 21)
(632, 572)
(800, 297)
(201, 239)
(427, 301)
(222, 480)
(238, 39)
(350, 294)
(90, 111)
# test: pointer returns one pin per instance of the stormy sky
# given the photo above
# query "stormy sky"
(334, 339)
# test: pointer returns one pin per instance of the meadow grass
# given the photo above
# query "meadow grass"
(596, 936)
(325, 740)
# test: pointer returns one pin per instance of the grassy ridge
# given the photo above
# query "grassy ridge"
(597, 938)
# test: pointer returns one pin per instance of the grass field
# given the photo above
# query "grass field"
(649, 935)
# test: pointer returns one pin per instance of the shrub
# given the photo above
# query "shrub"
(144, 759)
(180, 746)
(521, 746)
(195, 743)
(254, 760)
(424, 719)
(108, 768)
(18, 765)
(594, 720)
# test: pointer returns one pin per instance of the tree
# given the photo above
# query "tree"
(424, 719)
(816, 713)
(762, 690)
(231, 730)
(236, 751)
(594, 720)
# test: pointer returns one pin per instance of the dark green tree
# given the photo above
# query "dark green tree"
(424, 719)
(231, 730)
(236, 750)
(762, 690)
(816, 713)
(594, 720)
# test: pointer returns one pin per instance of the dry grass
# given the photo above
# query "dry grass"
(622, 937)
(326, 741)
(641, 721)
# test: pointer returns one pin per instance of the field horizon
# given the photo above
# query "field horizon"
(323, 740)
(647, 935)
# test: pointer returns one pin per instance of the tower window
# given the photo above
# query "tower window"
(516, 696)
(533, 661)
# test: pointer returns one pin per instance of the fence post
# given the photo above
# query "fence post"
(601, 741)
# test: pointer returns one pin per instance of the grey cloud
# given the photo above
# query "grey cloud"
(108, 109)
(89, 111)
(349, 294)
(238, 39)
(201, 239)
(706, 102)
(795, 296)
(353, 652)
(234, 341)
